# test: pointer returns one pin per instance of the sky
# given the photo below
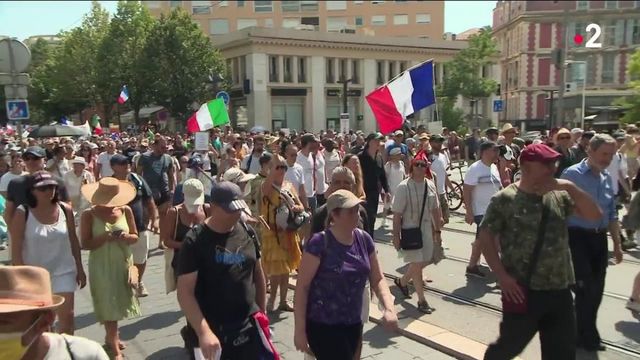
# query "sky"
(22, 19)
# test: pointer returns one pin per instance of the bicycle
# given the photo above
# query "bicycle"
(455, 196)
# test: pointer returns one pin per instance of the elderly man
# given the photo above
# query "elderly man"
(588, 237)
(27, 310)
(529, 219)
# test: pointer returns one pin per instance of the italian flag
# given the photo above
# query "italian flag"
(213, 113)
(95, 123)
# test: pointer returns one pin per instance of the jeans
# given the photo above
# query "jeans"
(371, 205)
(590, 259)
(551, 314)
(313, 204)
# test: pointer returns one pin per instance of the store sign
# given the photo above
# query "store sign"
(338, 92)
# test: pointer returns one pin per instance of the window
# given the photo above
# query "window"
(343, 69)
(218, 26)
(175, 4)
(313, 21)
(379, 72)
(245, 23)
(359, 21)
(392, 70)
(423, 18)
(400, 19)
(273, 68)
(240, 3)
(302, 70)
(336, 5)
(633, 32)
(288, 69)
(378, 20)
(153, 4)
(355, 71)
(331, 78)
(290, 23)
(610, 4)
(268, 23)
(336, 23)
(243, 68)
(200, 7)
(235, 71)
(608, 67)
(611, 33)
(262, 6)
(309, 5)
(403, 66)
(290, 6)
(583, 5)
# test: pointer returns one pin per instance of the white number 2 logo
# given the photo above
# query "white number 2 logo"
(592, 42)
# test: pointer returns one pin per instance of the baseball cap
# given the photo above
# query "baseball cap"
(398, 133)
(424, 136)
(118, 159)
(228, 196)
(237, 176)
(342, 199)
(193, 191)
(395, 151)
(43, 178)
(588, 134)
(491, 130)
(36, 151)
(539, 153)
(575, 131)
(437, 138)
(375, 135)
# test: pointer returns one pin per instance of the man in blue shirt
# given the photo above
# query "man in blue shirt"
(588, 239)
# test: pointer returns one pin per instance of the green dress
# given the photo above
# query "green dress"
(113, 298)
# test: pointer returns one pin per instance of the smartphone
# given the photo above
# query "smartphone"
(116, 233)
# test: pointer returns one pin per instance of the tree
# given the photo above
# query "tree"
(121, 59)
(631, 103)
(452, 117)
(181, 58)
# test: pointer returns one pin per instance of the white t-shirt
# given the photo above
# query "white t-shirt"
(6, 179)
(254, 167)
(63, 167)
(295, 175)
(306, 162)
(82, 349)
(617, 169)
(485, 181)
(104, 160)
(321, 182)
(73, 183)
(332, 161)
(439, 165)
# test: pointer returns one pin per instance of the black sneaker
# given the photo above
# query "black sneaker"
(475, 271)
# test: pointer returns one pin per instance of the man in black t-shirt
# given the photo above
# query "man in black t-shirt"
(221, 282)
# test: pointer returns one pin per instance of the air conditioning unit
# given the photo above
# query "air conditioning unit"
(570, 86)
(448, 36)
(306, 27)
(348, 30)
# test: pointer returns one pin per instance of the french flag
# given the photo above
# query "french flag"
(124, 95)
(406, 94)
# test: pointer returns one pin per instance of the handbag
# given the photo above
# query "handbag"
(411, 239)
(509, 306)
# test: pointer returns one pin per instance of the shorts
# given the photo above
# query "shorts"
(162, 198)
(336, 341)
(140, 249)
(65, 283)
(444, 207)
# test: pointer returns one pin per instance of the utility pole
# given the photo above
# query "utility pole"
(345, 88)
(563, 55)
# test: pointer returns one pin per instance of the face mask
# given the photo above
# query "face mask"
(11, 347)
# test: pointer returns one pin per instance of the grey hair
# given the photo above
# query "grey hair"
(343, 170)
(600, 139)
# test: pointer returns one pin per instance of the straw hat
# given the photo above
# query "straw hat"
(109, 192)
(507, 127)
(25, 288)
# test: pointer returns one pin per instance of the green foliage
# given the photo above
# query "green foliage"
(182, 60)
(631, 103)
(452, 117)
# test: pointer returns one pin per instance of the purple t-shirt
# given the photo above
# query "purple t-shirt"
(335, 295)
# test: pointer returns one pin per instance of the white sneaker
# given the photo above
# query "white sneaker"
(633, 306)
(141, 291)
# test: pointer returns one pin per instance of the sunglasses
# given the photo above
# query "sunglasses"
(30, 158)
(282, 167)
(564, 137)
(420, 164)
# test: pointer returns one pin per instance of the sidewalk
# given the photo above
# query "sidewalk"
(156, 335)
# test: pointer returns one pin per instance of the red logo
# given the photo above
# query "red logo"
(578, 39)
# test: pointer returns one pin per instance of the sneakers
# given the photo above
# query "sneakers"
(475, 271)
(628, 245)
(141, 291)
(633, 306)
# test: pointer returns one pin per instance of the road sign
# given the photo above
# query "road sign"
(224, 96)
(17, 109)
(19, 51)
(497, 105)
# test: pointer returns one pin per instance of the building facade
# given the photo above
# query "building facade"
(423, 19)
(527, 32)
(284, 78)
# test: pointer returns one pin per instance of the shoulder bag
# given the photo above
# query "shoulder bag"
(411, 239)
(509, 306)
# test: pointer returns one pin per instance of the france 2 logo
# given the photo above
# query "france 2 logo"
(592, 43)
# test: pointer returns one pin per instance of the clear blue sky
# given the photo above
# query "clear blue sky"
(22, 19)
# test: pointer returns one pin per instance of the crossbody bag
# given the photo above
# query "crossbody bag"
(509, 306)
(411, 238)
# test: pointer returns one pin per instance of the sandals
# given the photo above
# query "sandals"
(423, 307)
(403, 288)
(285, 307)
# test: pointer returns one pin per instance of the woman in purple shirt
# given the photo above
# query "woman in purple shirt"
(335, 267)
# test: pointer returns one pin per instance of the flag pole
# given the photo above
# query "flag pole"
(435, 95)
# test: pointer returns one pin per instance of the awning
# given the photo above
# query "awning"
(145, 112)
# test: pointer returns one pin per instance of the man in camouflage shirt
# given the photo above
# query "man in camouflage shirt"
(514, 217)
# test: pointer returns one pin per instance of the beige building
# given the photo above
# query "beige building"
(284, 78)
(419, 19)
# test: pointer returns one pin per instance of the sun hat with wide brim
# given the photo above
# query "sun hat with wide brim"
(26, 288)
(109, 192)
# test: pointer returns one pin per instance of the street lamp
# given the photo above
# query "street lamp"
(584, 86)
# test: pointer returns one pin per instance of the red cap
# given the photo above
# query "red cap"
(422, 156)
(539, 153)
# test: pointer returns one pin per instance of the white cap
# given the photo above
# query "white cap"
(78, 160)
(193, 191)
(395, 151)
(576, 131)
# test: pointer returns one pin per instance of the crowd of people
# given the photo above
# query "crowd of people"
(236, 219)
